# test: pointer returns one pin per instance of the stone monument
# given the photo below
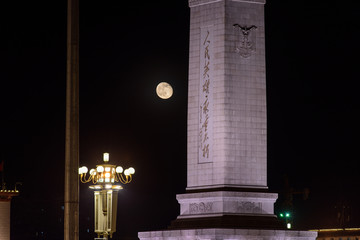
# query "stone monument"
(227, 195)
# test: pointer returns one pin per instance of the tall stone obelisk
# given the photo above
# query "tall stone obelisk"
(71, 201)
(227, 195)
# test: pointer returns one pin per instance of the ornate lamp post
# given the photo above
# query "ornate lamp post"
(106, 179)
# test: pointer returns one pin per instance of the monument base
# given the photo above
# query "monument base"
(226, 209)
(219, 203)
(227, 215)
(228, 221)
(227, 234)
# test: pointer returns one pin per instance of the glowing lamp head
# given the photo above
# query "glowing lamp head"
(106, 157)
(288, 225)
(83, 170)
(100, 169)
(105, 175)
(119, 169)
(131, 170)
(92, 172)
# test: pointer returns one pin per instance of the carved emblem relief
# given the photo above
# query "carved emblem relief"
(246, 40)
(249, 207)
(200, 207)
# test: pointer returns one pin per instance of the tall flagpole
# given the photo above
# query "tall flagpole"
(71, 201)
(2, 175)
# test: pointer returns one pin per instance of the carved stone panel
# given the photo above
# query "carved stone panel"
(196, 208)
(250, 207)
(246, 40)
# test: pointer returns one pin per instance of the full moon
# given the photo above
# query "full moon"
(164, 90)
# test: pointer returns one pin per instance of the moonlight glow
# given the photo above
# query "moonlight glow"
(164, 90)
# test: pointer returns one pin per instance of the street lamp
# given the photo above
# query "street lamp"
(106, 179)
(287, 217)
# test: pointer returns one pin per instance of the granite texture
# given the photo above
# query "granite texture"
(238, 101)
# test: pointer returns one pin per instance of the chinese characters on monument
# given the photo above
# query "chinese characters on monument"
(205, 96)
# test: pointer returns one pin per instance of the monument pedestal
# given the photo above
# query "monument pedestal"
(226, 209)
(219, 203)
(227, 234)
(227, 215)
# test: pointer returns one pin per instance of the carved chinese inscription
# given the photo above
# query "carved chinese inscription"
(246, 42)
(205, 95)
(200, 207)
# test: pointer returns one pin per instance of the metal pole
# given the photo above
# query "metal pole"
(2, 175)
(71, 201)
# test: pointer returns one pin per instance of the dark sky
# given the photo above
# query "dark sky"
(126, 49)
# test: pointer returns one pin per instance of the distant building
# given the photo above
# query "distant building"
(5, 202)
(339, 234)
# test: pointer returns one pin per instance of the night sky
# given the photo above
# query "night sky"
(126, 49)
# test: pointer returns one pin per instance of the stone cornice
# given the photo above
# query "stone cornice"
(6, 195)
(194, 3)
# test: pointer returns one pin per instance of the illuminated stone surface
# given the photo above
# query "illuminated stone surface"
(225, 202)
(227, 195)
(5, 220)
(238, 103)
(228, 234)
(5, 203)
